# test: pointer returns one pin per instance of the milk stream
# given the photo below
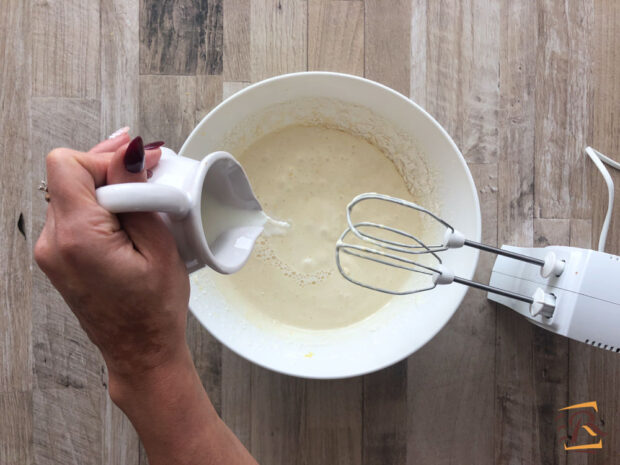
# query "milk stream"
(218, 219)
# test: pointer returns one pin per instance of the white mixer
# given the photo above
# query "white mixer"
(567, 290)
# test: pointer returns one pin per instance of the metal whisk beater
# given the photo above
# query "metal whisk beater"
(401, 254)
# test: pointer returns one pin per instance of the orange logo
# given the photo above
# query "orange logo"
(581, 419)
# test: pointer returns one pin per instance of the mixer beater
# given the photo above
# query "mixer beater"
(404, 254)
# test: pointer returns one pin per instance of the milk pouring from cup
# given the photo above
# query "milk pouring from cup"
(208, 205)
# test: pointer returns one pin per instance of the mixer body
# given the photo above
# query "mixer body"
(587, 292)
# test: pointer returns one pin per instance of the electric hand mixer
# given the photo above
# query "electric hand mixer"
(567, 290)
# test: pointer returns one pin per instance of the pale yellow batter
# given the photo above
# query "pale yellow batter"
(306, 176)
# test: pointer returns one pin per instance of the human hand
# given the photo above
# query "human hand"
(121, 275)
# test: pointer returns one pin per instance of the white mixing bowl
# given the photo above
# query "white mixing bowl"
(407, 322)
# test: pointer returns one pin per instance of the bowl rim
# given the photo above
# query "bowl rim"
(461, 159)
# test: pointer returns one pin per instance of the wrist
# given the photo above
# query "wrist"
(126, 385)
(168, 407)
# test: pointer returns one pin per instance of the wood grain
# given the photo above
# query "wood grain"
(515, 404)
(278, 36)
(419, 43)
(15, 201)
(336, 36)
(387, 43)
(64, 436)
(16, 365)
(16, 427)
(236, 59)
(120, 64)
(65, 48)
(563, 67)
(332, 423)
(595, 373)
(463, 40)
(277, 417)
(606, 125)
(211, 36)
(230, 88)
(120, 441)
(183, 37)
(167, 108)
(581, 233)
(385, 416)
(208, 94)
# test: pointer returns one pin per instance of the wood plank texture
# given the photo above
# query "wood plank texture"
(65, 48)
(463, 40)
(563, 103)
(236, 59)
(515, 405)
(278, 36)
(332, 422)
(419, 42)
(336, 36)
(387, 43)
(183, 37)
(16, 427)
(167, 108)
(208, 94)
(120, 440)
(15, 202)
(120, 64)
(68, 435)
(595, 373)
(522, 87)
(277, 417)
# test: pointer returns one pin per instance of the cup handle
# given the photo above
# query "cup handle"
(144, 197)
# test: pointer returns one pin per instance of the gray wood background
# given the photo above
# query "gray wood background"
(522, 86)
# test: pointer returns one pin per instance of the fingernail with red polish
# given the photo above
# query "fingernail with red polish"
(154, 145)
(134, 156)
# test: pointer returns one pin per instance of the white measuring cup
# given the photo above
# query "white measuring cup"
(177, 189)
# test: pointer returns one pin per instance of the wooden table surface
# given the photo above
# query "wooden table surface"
(521, 86)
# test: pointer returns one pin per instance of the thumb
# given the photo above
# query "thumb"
(146, 230)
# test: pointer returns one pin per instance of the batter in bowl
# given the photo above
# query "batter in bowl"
(306, 175)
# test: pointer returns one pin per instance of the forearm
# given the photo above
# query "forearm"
(174, 418)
